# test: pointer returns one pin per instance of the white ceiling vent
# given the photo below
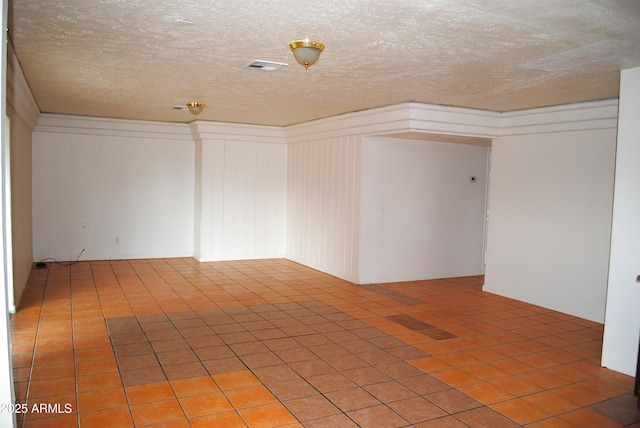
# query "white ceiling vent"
(266, 65)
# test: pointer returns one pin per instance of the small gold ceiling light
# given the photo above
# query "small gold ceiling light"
(306, 51)
(195, 107)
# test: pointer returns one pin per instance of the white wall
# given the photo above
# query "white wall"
(325, 173)
(422, 217)
(240, 199)
(7, 419)
(323, 205)
(550, 207)
(23, 114)
(118, 189)
(622, 322)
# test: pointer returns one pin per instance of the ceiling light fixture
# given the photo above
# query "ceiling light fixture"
(195, 107)
(306, 51)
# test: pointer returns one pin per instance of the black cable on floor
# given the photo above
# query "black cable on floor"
(41, 264)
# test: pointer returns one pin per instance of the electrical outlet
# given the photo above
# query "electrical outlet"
(117, 240)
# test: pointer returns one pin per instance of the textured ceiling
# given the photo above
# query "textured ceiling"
(138, 58)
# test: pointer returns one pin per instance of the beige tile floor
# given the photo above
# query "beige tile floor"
(271, 343)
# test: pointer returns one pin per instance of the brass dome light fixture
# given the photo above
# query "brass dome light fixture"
(306, 51)
(195, 107)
